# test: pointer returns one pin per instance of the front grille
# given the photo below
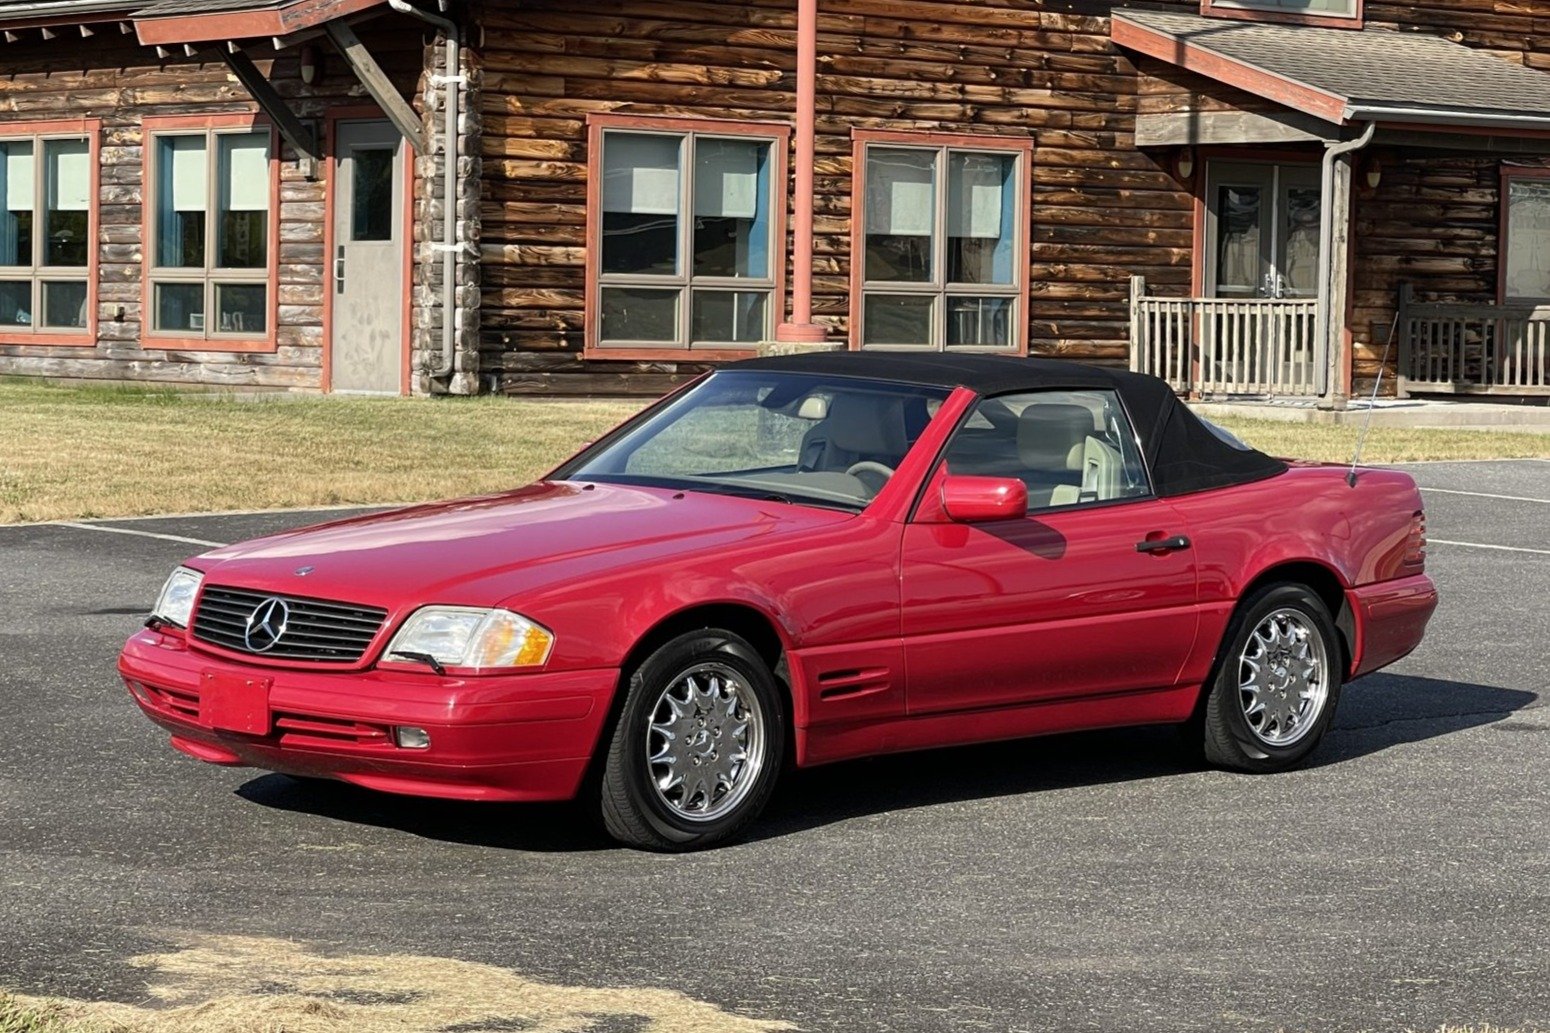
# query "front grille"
(314, 629)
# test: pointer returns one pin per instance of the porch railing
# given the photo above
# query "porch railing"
(1226, 346)
(1472, 348)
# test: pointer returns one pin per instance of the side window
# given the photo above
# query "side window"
(1068, 447)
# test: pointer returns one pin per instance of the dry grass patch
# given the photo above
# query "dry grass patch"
(1331, 443)
(84, 451)
(75, 452)
(233, 984)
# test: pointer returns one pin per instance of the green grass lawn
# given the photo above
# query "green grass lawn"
(70, 452)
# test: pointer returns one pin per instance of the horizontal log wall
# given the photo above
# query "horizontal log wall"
(1101, 211)
(108, 76)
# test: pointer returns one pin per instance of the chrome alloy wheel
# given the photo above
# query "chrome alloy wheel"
(705, 742)
(1283, 677)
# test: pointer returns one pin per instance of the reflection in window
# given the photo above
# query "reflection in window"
(45, 233)
(1527, 266)
(211, 209)
(921, 206)
(1239, 249)
(704, 278)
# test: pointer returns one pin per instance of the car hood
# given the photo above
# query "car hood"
(482, 551)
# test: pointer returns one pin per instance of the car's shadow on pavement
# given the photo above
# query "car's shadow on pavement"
(1376, 713)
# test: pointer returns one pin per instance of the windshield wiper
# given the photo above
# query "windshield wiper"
(424, 658)
(775, 497)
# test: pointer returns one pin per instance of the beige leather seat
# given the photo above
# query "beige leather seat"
(1066, 462)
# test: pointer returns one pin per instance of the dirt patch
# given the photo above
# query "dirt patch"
(233, 984)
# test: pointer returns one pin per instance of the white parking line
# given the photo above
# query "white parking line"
(1483, 545)
(140, 534)
(1486, 495)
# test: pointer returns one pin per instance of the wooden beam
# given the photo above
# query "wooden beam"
(378, 85)
(11, 37)
(1208, 128)
(295, 131)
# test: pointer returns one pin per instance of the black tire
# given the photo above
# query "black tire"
(1229, 738)
(633, 811)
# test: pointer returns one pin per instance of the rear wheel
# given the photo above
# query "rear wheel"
(1277, 681)
(698, 745)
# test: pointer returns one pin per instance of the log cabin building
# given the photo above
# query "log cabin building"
(1258, 197)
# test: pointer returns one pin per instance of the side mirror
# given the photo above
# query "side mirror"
(975, 500)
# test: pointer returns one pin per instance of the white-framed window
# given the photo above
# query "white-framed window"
(210, 224)
(687, 231)
(1340, 10)
(1525, 266)
(941, 246)
(46, 234)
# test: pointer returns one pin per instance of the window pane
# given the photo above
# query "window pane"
(638, 314)
(15, 303)
(1300, 265)
(181, 186)
(1528, 238)
(979, 322)
(900, 214)
(239, 307)
(981, 217)
(180, 306)
(67, 190)
(731, 208)
(1068, 447)
(244, 200)
(64, 303)
(371, 194)
(640, 203)
(736, 317)
(1326, 8)
(16, 167)
(897, 319)
(1238, 238)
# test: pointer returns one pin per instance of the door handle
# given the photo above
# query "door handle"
(339, 271)
(1178, 541)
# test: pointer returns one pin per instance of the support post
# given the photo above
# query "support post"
(378, 84)
(1402, 331)
(296, 132)
(801, 328)
(1340, 356)
(1137, 292)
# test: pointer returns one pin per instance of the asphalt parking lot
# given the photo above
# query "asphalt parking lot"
(1092, 882)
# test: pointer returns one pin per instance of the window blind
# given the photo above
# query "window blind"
(640, 173)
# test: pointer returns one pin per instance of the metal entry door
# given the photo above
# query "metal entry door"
(368, 261)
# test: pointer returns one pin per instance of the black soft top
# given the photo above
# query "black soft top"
(1183, 454)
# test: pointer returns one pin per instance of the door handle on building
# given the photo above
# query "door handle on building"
(339, 271)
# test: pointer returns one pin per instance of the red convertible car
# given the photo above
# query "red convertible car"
(794, 561)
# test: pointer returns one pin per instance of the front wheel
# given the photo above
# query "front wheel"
(697, 747)
(1277, 681)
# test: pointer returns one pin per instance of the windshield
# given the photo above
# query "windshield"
(820, 440)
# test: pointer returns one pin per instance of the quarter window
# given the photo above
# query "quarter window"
(45, 234)
(209, 194)
(1069, 447)
(940, 247)
(1526, 249)
(687, 239)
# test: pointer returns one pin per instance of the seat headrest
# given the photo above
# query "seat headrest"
(869, 425)
(1050, 436)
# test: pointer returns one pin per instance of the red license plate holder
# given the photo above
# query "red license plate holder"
(234, 703)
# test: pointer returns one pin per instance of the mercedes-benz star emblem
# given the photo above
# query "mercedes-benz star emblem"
(266, 624)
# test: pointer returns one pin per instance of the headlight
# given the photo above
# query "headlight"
(463, 636)
(176, 603)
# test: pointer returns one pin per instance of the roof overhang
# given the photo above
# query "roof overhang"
(174, 22)
(1204, 47)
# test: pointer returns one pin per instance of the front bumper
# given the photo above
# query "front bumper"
(1391, 618)
(513, 737)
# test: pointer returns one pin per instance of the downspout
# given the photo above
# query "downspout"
(1332, 152)
(801, 329)
(449, 246)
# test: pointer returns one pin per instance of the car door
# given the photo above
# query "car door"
(1092, 592)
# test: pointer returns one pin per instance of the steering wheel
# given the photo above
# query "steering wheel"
(878, 470)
